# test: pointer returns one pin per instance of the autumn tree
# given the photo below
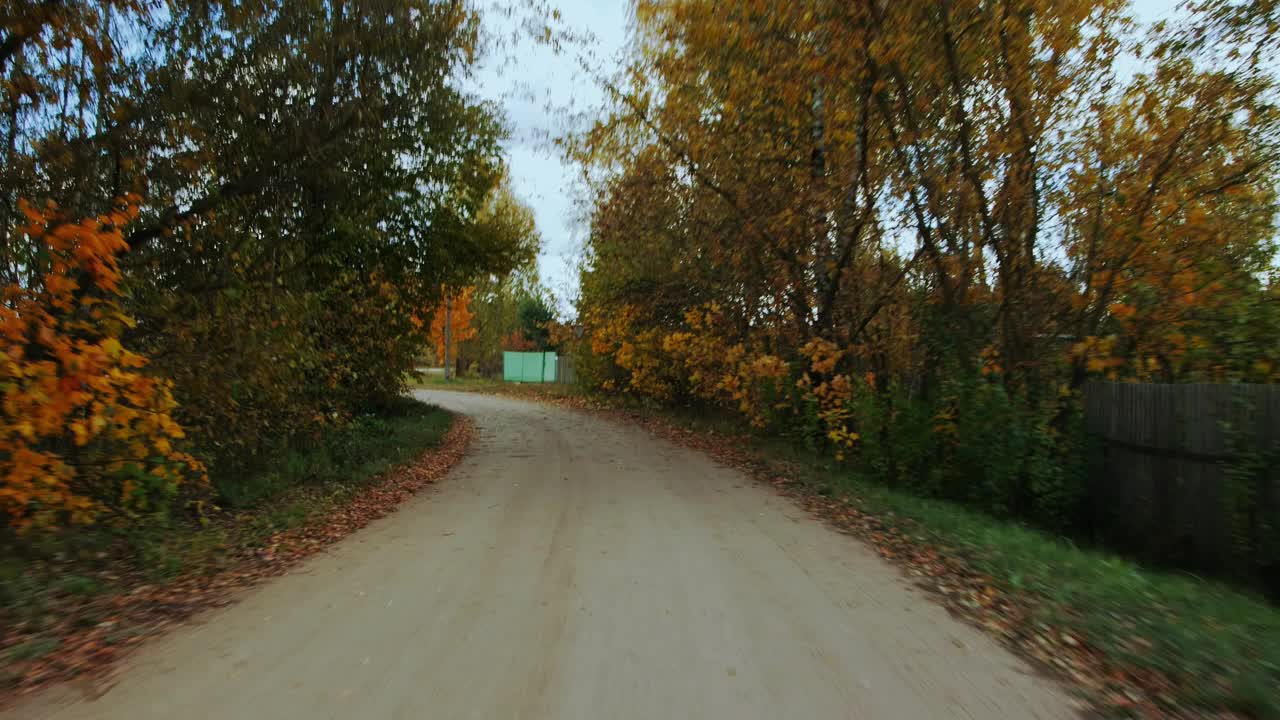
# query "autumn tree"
(813, 167)
(304, 179)
(867, 222)
(451, 324)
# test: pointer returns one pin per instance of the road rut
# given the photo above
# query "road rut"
(575, 568)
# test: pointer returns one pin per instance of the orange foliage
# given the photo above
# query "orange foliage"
(82, 430)
(516, 341)
(460, 317)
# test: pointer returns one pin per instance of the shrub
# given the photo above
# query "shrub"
(83, 432)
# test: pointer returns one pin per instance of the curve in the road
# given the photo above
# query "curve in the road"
(574, 568)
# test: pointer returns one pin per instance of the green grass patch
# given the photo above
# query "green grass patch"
(437, 381)
(298, 485)
(81, 585)
(31, 650)
(1186, 627)
(495, 386)
(346, 458)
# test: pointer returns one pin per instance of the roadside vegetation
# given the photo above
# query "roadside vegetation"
(466, 382)
(201, 277)
(839, 241)
(904, 238)
(1159, 640)
(225, 229)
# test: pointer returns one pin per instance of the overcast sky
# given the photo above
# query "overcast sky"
(536, 86)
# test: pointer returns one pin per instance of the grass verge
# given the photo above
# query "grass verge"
(1210, 646)
(345, 459)
(495, 386)
(436, 381)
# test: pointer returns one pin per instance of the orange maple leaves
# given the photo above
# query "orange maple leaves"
(82, 431)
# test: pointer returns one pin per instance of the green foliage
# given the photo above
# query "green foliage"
(990, 444)
(311, 175)
(1249, 483)
(981, 444)
(347, 456)
(897, 444)
(535, 320)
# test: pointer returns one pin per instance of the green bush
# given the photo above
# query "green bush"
(1249, 478)
(897, 443)
(362, 448)
(990, 447)
(980, 444)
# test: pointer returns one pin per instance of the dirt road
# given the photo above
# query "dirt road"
(572, 568)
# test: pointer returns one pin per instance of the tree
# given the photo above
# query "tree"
(496, 303)
(456, 312)
(535, 320)
(947, 169)
(910, 231)
(498, 297)
(305, 178)
(84, 433)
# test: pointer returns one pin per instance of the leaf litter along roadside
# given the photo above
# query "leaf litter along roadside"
(1124, 679)
(93, 633)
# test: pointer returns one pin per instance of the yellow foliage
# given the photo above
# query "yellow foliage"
(822, 354)
(81, 431)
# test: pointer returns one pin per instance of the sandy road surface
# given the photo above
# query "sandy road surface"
(572, 568)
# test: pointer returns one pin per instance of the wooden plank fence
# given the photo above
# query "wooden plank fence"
(1166, 450)
(566, 370)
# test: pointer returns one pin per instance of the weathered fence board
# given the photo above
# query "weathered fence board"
(1166, 452)
(566, 370)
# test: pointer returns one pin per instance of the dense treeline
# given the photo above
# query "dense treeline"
(911, 231)
(511, 313)
(225, 227)
(501, 311)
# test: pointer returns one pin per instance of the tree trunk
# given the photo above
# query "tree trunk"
(447, 340)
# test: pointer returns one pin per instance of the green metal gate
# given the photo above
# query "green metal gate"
(529, 367)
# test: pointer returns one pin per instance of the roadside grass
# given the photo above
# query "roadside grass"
(492, 386)
(299, 485)
(436, 381)
(1218, 644)
(346, 459)
(64, 579)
